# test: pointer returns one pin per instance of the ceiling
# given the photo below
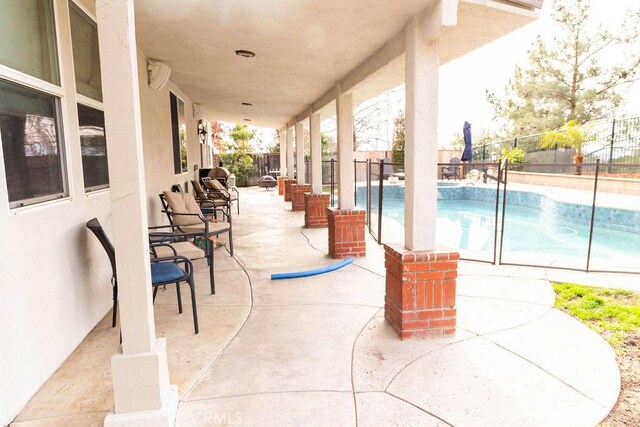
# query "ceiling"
(303, 48)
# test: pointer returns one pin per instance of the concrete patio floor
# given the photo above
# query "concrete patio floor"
(316, 351)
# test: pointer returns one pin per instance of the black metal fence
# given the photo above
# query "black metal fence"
(614, 142)
(586, 219)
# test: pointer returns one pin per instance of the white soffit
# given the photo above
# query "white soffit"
(303, 48)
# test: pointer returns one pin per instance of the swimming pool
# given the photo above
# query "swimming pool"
(537, 230)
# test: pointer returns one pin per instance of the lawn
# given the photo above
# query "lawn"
(615, 315)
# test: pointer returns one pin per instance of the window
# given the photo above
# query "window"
(94, 148)
(86, 65)
(30, 136)
(28, 38)
(86, 53)
(179, 129)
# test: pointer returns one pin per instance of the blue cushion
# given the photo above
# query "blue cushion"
(162, 272)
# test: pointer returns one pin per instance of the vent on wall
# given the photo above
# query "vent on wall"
(158, 74)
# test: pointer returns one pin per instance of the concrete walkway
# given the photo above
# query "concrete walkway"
(316, 351)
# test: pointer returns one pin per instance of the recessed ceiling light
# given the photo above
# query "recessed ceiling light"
(245, 53)
(247, 120)
(248, 104)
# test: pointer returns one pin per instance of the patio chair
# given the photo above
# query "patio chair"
(219, 191)
(167, 240)
(183, 211)
(207, 202)
(451, 170)
(164, 271)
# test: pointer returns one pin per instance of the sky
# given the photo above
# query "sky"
(464, 81)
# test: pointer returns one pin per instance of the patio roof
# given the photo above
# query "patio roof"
(303, 49)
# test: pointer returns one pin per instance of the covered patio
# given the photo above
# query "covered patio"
(317, 351)
(145, 76)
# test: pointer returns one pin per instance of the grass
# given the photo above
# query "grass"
(613, 313)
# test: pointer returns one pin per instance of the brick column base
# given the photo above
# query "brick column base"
(281, 185)
(315, 210)
(420, 294)
(297, 199)
(288, 194)
(346, 233)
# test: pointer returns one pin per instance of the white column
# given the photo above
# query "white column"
(283, 151)
(140, 373)
(422, 63)
(290, 168)
(316, 154)
(300, 153)
(344, 111)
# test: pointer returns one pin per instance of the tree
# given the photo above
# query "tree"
(236, 156)
(572, 76)
(397, 146)
(571, 135)
(217, 133)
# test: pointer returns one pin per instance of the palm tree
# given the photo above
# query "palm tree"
(571, 135)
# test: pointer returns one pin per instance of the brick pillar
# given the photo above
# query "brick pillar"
(420, 294)
(315, 210)
(281, 185)
(346, 233)
(297, 199)
(288, 195)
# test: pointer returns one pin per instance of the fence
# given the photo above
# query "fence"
(614, 142)
(513, 214)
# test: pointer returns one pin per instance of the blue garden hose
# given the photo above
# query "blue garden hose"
(296, 274)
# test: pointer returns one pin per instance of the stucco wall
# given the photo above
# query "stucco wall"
(158, 142)
(55, 283)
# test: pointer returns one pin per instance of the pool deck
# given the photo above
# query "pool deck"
(317, 351)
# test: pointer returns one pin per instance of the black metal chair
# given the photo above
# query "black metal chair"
(164, 271)
(208, 203)
(218, 191)
(183, 211)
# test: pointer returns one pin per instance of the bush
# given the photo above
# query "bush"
(514, 156)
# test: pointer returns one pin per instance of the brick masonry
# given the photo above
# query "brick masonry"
(288, 195)
(346, 233)
(281, 185)
(297, 199)
(315, 210)
(420, 295)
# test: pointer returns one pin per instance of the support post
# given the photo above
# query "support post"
(344, 112)
(301, 173)
(141, 389)
(290, 168)
(316, 203)
(316, 154)
(421, 129)
(346, 224)
(283, 152)
(420, 293)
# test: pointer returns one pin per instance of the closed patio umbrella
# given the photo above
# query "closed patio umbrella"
(467, 155)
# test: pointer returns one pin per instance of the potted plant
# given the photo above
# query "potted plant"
(571, 135)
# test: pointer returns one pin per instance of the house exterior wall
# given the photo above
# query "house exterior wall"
(55, 284)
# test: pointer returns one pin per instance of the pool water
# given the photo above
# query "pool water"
(530, 235)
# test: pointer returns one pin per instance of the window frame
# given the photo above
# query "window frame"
(175, 134)
(58, 93)
(86, 101)
(95, 188)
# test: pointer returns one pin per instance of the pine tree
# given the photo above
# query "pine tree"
(572, 76)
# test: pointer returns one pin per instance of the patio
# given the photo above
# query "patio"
(317, 351)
